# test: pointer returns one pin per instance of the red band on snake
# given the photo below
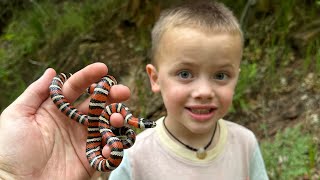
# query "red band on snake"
(100, 132)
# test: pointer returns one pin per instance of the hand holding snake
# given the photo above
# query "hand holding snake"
(38, 141)
(100, 132)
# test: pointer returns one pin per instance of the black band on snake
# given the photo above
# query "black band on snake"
(100, 132)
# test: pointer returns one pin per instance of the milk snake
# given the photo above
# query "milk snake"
(100, 132)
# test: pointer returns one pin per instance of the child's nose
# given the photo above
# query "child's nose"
(203, 90)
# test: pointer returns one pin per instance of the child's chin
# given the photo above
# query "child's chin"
(201, 128)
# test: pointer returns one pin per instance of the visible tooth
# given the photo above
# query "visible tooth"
(200, 111)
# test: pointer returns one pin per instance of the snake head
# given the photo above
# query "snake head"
(147, 123)
(113, 80)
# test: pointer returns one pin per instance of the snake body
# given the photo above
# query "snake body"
(100, 132)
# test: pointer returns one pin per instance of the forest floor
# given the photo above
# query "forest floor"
(296, 101)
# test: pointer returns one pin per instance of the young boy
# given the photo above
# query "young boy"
(196, 54)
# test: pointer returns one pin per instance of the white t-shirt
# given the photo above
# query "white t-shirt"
(156, 156)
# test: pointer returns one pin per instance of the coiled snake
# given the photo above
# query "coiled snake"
(100, 132)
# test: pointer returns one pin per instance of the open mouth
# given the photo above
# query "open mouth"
(201, 111)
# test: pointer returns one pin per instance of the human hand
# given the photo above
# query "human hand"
(38, 141)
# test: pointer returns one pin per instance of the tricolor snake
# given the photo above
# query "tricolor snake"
(100, 132)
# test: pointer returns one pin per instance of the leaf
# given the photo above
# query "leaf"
(9, 36)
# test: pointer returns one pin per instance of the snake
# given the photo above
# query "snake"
(100, 131)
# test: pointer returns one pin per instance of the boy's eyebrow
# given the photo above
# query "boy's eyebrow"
(186, 63)
(189, 62)
(227, 65)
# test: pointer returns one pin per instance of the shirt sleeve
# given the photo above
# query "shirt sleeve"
(123, 171)
(257, 167)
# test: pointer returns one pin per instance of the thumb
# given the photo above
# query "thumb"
(37, 92)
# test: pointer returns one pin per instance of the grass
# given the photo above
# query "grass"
(45, 23)
(292, 154)
(312, 59)
(317, 57)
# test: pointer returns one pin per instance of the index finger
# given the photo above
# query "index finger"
(77, 83)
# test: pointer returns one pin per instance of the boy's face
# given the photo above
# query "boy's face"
(196, 74)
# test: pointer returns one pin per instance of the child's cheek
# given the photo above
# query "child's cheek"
(175, 96)
(225, 99)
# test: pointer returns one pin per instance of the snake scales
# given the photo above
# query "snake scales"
(100, 132)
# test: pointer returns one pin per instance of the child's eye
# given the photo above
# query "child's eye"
(221, 76)
(185, 74)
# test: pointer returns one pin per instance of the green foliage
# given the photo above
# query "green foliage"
(268, 52)
(44, 23)
(292, 154)
(247, 78)
(317, 59)
(312, 56)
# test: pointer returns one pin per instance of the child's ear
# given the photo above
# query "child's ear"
(153, 77)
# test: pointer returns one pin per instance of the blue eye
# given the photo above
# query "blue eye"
(221, 76)
(184, 74)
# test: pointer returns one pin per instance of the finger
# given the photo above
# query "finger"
(117, 120)
(37, 92)
(118, 93)
(106, 151)
(76, 84)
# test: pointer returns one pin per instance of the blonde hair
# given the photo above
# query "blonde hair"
(209, 16)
